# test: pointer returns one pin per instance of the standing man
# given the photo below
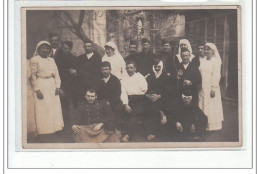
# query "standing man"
(54, 41)
(189, 77)
(200, 56)
(166, 56)
(144, 60)
(65, 62)
(109, 91)
(132, 51)
(88, 68)
(93, 121)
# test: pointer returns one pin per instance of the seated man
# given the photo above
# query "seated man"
(193, 121)
(93, 121)
(163, 88)
(109, 91)
(134, 87)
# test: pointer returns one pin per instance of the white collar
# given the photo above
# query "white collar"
(106, 79)
(89, 55)
(186, 65)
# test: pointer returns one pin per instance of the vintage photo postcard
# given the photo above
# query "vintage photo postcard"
(131, 77)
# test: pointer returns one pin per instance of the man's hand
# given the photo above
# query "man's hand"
(98, 127)
(212, 94)
(192, 128)
(163, 120)
(179, 127)
(61, 92)
(128, 109)
(179, 74)
(187, 83)
(146, 76)
(39, 94)
(72, 71)
(108, 103)
(76, 129)
(57, 91)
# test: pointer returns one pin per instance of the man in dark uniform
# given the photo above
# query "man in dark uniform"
(144, 60)
(65, 62)
(88, 68)
(132, 51)
(109, 91)
(166, 56)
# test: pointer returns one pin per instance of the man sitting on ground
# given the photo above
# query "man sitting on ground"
(93, 121)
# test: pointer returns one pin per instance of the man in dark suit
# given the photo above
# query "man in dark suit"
(109, 91)
(166, 56)
(200, 55)
(188, 75)
(144, 60)
(88, 68)
(132, 51)
(66, 61)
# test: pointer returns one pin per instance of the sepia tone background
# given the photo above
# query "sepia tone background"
(218, 26)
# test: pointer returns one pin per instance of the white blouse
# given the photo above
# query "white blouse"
(133, 85)
(44, 68)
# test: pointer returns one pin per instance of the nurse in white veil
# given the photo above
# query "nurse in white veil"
(115, 59)
(209, 96)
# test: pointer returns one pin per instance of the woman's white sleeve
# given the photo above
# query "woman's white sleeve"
(34, 70)
(57, 76)
(216, 76)
(124, 96)
(123, 70)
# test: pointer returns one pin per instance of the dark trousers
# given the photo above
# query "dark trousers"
(145, 117)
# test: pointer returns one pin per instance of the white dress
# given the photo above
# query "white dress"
(45, 77)
(31, 125)
(212, 107)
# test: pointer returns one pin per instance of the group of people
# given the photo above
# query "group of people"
(158, 97)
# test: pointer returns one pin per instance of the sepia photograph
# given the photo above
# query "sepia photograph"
(131, 77)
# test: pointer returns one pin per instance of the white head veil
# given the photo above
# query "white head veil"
(112, 45)
(38, 45)
(158, 74)
(215, 52)
(186, 42)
